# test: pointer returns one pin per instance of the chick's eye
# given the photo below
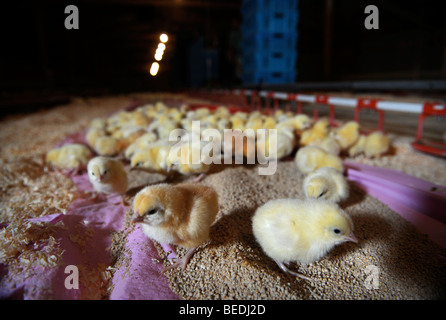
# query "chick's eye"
(153, 211)
(337, 231)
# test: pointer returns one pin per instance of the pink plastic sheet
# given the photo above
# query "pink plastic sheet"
(416, 200)
(142, 279)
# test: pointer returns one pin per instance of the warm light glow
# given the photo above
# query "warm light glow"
(164, 37)
(161, 46)
(154, 68)
(159, 50)
(158, 56)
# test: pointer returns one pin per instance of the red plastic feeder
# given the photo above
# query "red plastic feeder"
(428, 146)
(371, 104)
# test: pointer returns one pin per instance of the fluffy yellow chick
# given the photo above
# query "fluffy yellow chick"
(152, 159)
(98, 123)
(357, 147)
(210, 121)
(223, 112)
(315, 134)
(180, 159)
(237, 122)
(376, 144)
(140, 144)
(70, 156)
(107, 175)
(93, 134)
(284, 145)
(117, 120)
(176, 214)
(106, 146)
(372, 145)
(347, 134)
(311, 158)
(163, 126)
(326, 183)
(329, 144)
(269, 123)
(302, 231)
(254, 122)
(298, 123)
(223, 124)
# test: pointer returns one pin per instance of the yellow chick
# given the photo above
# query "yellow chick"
(284, 144)
(153, 159)
(223, 112)
(326, 183)
(315, 134)
(70, 156)
(358, 146)
(180, 159)
(140, 144)
(311, 158)
(106, 146)
(107, 175)
(376, 144)
(210, 122)
(138, 119)
(329, 144)
(93, 133)
(372, 145)
(117, 120)
(347, 134)
(298, 123)
(179, 214)
(98, 123)
(302, 231)
(254, 122)
(237, 122)
(163, 126)
(269, 123)
(223, 124)
(278, 114)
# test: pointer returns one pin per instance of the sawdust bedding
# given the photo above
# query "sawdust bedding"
(393, 260)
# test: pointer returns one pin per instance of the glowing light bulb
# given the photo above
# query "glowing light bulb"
(164, 38)
(158, 56)
(161, 46)
(154, 68)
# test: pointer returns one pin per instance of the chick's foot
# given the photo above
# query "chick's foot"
(295, 274)
(182, 262)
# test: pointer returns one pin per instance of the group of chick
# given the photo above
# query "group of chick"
(288, 230)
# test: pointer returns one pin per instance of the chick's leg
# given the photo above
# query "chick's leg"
(181, 262)
(200, 177)
(295, 274)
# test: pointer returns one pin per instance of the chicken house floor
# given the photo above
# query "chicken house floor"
(393, 260)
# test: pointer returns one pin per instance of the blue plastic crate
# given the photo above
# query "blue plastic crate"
(269, 77)
(249, 6)
(269, 60)
(282, 41)
(269, 16)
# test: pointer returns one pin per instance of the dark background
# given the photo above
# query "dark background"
(42, 62)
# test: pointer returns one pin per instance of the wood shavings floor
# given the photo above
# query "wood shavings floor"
(232, 266)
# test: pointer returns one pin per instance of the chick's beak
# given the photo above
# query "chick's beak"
(351, 237)
(137, 218)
